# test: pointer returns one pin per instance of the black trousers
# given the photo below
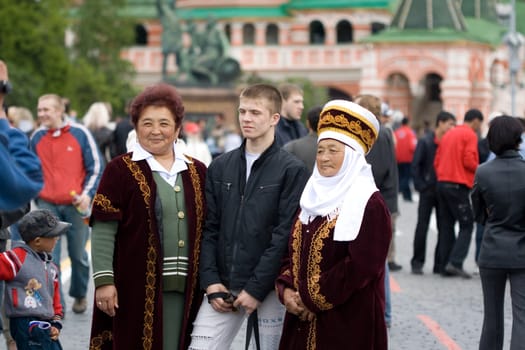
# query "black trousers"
(493, 282)
(428, 200)
(454, 206)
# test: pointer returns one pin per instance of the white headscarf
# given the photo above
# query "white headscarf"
(344, 196)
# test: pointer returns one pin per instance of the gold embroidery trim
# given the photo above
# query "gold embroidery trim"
(315, 258)
(199, 211)
(105, 203)
(348, 124)
(296, 252)
(151, 257)
(311, 343)
(98, 341)
(141, 179)
(149, 303)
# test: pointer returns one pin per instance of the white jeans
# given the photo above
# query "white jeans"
(214, 330)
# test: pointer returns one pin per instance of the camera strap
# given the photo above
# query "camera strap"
(253, 325)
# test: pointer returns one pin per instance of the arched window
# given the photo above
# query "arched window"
(272, 34)
(141, 35)
(228, 32)
(433, 87)
(317, 33)
(345, 32)
(248, 34)
(377, 27)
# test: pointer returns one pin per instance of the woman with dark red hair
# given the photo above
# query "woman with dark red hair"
(147, 222)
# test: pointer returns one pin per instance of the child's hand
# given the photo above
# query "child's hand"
(54, 333)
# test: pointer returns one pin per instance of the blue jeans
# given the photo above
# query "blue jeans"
(77, 237)
(34, 339)
(404, 171)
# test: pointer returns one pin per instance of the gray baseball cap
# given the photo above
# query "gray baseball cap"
(41, 223)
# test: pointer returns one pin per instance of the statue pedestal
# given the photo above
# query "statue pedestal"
(209, 101)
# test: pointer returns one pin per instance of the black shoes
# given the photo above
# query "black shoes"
(417, 270)
(392, 266)
(452, 270)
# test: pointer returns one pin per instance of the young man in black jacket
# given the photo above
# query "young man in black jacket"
(252, 197)
(290, 127)
(425, 183)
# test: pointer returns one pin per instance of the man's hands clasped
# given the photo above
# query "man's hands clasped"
(221, 300)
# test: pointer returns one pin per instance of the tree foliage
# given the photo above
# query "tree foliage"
(32, 43)
(100, 35)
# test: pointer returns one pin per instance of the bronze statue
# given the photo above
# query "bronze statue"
(202, 59)
(171, 34)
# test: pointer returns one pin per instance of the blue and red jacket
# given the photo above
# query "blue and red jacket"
(32, 286)
(71, 161)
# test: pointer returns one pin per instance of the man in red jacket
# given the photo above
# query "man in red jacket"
(455, 163)
(406, 142)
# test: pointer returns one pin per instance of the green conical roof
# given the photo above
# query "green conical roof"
(485, 9)
(430, 21)
(429, 15)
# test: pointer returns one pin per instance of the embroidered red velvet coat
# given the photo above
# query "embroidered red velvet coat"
(341, 282)
(127, 194)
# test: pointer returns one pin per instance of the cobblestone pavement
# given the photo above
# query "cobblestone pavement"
(430, 312)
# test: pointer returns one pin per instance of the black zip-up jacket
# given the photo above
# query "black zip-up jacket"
(248, 223)
(423, 171)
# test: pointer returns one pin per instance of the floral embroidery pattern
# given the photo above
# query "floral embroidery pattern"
(151, 270)
(312, 338)
(98, 341)
(313, 267)
(296, 252)
(105, 203)
(349, 125)
(199, 210)
(149, 305)
(141, 179)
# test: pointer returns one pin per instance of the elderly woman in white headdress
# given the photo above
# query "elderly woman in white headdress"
(332, 281)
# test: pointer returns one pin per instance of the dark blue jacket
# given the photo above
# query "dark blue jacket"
(288, 130)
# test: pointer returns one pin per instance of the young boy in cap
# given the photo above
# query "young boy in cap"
(32, 299)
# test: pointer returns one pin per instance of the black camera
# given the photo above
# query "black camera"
(5, 87)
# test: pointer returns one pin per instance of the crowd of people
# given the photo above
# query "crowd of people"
(196, 228)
